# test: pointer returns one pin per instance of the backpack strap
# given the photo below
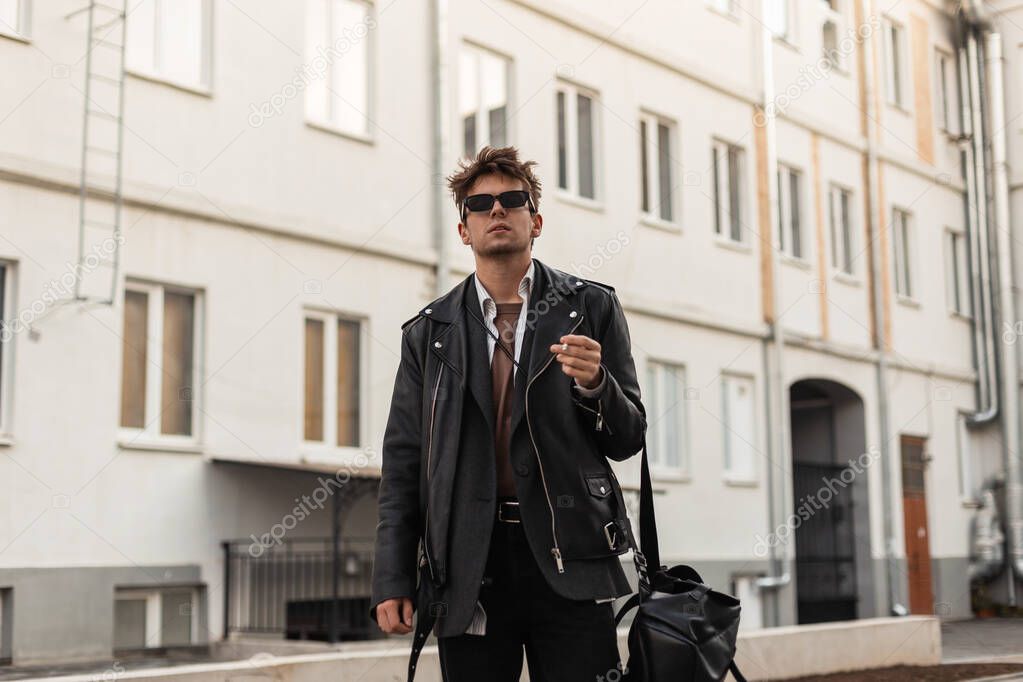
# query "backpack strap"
(735, 672)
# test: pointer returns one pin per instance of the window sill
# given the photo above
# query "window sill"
(16, 37)
(731, 16)
(6, 440)
(956, 315)
(797, 261)
(660, 223)
(900, 109)
(581, 202)
(341, 456)
(670, 475)
(739, 480)
(127, 441)
(364, 138)
(785, 41)
(726, 243)
(846, 278)
(190, 88)
(908, 301)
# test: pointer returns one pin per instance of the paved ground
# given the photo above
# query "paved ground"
(998, 639)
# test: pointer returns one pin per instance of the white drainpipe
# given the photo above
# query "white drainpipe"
(440, 201)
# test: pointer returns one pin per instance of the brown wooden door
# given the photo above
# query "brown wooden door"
(914, 514)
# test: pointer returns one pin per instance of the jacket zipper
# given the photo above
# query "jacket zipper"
(555, 550)
(429, 458)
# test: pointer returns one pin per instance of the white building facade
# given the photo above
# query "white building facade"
(283, 211)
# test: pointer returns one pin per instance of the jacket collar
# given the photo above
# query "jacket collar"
(552, 312)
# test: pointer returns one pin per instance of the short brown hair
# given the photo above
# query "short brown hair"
(503, 160)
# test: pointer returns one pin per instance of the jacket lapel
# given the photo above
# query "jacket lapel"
(480, 378)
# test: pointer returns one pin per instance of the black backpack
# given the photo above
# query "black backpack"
(684, 631)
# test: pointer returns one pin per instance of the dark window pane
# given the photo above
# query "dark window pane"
(562, 141)
(348, 383)
(797, 244)
(176, 385)
(734, 193)
(716, 154)
(313, 380)
(664, 166)
(176, 618)
(586, 170)
(133, 360)
(497, 126)
(644, 180)
(129, 623)
(469, 135)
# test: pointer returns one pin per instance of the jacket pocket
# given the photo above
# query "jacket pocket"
(599, 485)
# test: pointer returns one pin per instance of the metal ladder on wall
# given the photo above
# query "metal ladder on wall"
(100, 237)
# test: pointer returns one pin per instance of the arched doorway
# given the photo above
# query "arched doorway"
(830, 501)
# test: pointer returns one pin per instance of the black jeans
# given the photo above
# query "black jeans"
(565, 640)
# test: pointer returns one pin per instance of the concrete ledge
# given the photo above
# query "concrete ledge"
(795, 650)
(773, 653)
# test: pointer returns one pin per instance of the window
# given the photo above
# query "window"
(790, 228)
(666, 388)
(6, 608)
(159, 370)
(843, 246)
(739, 426)
(483, 99)
(7, 331)
(332, 411)
(778, 18)
(895, 67)
(170, 40)
(656, 144)
(728, 171)
(831, 29)
(14, 17)
(947, 100)
(902, 249)
(576, 127)
(956, 273)
(150, 618)
(337, 31)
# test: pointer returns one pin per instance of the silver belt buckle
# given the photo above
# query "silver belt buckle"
(500, 513)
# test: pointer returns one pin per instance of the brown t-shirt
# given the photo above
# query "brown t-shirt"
(501, 369)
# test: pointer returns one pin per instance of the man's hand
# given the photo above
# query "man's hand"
(580, 358)
(394, 616)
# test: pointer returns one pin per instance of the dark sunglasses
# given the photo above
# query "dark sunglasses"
(516, 198)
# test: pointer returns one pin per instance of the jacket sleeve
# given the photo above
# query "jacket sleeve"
(398, 529)
(619, 415)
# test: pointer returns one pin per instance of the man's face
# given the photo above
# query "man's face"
(500, 230)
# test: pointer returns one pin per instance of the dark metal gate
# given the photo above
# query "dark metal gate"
(825, 544)
(288, 588)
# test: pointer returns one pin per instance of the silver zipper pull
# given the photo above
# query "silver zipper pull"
(600, 418)
(557, 559)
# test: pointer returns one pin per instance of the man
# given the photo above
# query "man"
(513, 391)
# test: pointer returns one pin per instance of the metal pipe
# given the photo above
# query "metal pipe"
(881, 365)
(778, 449)
(438, 78)
(1006, 310)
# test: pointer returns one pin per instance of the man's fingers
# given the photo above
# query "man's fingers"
(406, 611)
(580, 340)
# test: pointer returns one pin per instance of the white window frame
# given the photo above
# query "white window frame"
(154, 611)
(788, 33)
(10, 326)
(726, 7)
(150, 434)
(957, 282)
(23, 9)
(328, 445)
(720, 149)
(947, 100)
(204, 86)
(786, 210)
(896, 70)
(330, 122)
(657, 372)
(839, 256)
(836, 17)
(902, 254)
(483, 133)
(652, 122)
(731, 473)
(571, 192)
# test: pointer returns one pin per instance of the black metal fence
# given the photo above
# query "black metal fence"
(289, 588)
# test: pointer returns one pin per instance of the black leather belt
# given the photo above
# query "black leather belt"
(508, 511)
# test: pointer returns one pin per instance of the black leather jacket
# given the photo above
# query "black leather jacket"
(571, 502)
